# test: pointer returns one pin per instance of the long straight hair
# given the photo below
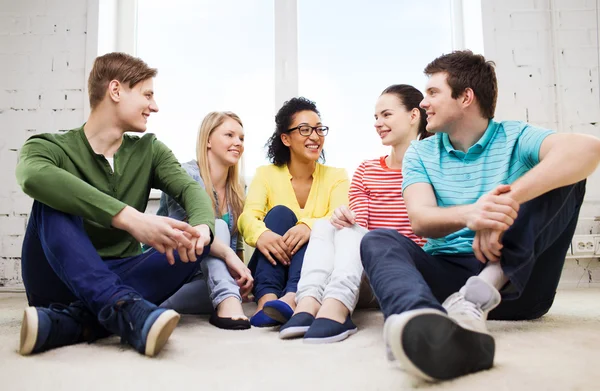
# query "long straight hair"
(234, 185)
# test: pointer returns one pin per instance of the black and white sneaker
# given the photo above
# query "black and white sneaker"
(431, 345)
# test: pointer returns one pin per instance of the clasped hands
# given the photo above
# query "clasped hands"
(490, 217)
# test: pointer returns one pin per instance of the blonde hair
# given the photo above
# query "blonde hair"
(234, 185)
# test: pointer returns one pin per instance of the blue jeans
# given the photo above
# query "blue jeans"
(404, 277)
(60, 265)
(210, 286)
(278, 279)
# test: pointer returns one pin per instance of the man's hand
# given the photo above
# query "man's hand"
(487, 245)
(187, 254)
(272, 246)
(343, 217)
(494, 211)
(240, 272)
(162, 233)
(296, 237)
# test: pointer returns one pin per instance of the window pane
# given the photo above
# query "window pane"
(349, 51)
(210, 56)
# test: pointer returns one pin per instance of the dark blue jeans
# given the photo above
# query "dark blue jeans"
(404, 277)
(60, 265)
(278, 279)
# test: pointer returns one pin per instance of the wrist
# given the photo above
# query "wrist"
(122, 220)
(515, 195)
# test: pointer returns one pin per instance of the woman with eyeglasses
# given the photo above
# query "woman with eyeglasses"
(284, 200)
(224, 279)
(331, 277)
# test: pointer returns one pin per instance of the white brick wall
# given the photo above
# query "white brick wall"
(42, 80)
(544, 56)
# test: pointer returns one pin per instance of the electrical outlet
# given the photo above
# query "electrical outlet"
(585, 244)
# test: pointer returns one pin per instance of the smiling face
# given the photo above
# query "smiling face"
(226, 143)
(442, 110)
(305, 148)
(393, 122)
(134, 104)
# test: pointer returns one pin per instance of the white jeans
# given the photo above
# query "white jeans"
(332, 268)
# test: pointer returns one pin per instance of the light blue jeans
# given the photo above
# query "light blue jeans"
(210, 286)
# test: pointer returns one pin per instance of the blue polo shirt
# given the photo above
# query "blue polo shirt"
(505, 152)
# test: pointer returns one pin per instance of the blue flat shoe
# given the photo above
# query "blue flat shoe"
(278, 310)
(260, 319)
(325, 330)
(297, 326)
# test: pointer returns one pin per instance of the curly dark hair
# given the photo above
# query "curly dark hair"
(277, 152)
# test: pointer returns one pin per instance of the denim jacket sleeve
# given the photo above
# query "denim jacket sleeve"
(168, 206)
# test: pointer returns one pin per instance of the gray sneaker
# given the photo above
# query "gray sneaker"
(470, 306)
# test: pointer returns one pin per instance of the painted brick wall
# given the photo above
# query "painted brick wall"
(547, 60)
(42, 61)
(546, 54)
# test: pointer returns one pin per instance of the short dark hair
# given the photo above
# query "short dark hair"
(468, 70)
(410, 98)
(277, 152)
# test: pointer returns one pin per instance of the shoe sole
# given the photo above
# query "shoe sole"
(293, 332)
(335, 338)
(433, 347)
(29, 331)
(274, 314)
(160, 332)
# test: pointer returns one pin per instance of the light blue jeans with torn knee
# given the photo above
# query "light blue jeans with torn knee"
(210, 286)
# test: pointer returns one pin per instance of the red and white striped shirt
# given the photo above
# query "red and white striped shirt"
(376, 198)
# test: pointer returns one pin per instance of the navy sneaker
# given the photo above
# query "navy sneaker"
(140, 323)
(278, 310)
(260, 319)
(325, 330)
(58, 325)
(297, 326)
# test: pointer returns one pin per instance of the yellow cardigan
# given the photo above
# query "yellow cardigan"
(272, 186)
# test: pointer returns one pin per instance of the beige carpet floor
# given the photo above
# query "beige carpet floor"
(558, 352)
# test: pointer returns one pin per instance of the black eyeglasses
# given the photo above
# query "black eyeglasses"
(307, 130)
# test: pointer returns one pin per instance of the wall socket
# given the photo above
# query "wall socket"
(585, 244)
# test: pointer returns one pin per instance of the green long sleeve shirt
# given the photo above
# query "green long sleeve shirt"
(62, 171)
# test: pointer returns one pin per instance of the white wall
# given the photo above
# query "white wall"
(546, 54)
(42, 81)
(543, 57)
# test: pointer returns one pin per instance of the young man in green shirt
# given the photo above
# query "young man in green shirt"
(83, 267)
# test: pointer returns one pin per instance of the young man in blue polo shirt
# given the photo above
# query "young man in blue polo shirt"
(499, 202)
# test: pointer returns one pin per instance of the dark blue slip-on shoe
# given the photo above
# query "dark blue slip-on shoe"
(278, 310)
(140, 323)
(58, 325)
(260, 319)
(297, 326)
(325, 330)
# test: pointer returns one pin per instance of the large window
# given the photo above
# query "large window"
(210, 55)
(223, 55)
(349, 52)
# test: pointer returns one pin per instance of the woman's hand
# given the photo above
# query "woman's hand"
(343, 217)
(296, 237)
(272, 246)
(240, 272)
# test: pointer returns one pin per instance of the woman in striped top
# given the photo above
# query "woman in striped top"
(331, 274)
